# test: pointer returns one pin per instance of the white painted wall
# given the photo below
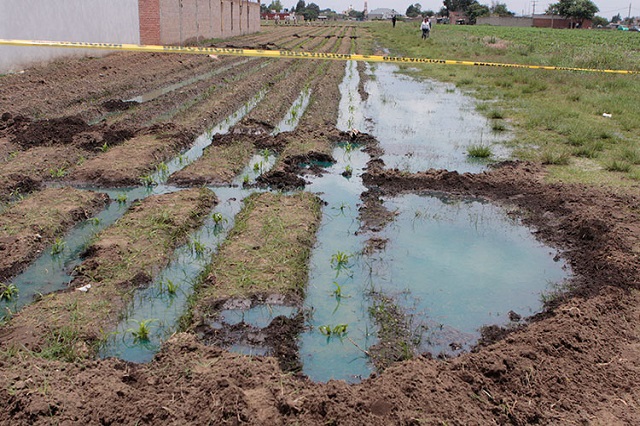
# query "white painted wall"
(112, 21)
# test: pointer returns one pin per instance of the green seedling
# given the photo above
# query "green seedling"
(57, 173)
(163, 168)
(121, 199)
(339, 330)
(198, 248)
(340, 260)
(245, 179)
(147, 180)
(95, 221)
(257, 167)
(141, 334)
(104, 147)
(348, 171)
(218, 219)
(8, 291)
(170, 287)
(337, 292)
(265, 153)
(58, 246)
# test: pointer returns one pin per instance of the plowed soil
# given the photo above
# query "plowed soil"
(69, 122)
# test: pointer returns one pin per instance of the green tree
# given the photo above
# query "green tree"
(616, 19)
(311, 12)
(577, 10)
(275, 5)
(477, 10)
(300, 6)
(599, 21)
(500, 9)
(458, 5)
(414, 10)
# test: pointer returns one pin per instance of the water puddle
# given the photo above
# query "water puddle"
(449, 265)
(459, 264)
(426, 124)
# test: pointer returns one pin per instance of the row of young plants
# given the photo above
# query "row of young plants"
(228, 154)
(34, 222)
(72, 324)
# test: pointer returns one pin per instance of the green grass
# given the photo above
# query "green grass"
(479, 151)
(556, 116)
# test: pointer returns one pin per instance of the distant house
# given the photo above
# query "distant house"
(539, 21)
(383, 13)
(458, 17)
(282, 17)
(555, 21)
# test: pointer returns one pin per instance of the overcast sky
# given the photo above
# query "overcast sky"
(608, 8)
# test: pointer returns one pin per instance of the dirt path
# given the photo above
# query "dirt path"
(575, 363)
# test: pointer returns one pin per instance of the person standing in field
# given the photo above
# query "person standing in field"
(425, 27)
(393, 20)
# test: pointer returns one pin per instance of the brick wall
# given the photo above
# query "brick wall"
(149, 11)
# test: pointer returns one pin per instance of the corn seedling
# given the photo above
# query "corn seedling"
(104, 147)
(8, 291)
(218, 219)
(348, 171)
(170, 287)
(265, 153)
(58, 246)
(141, 334)
(198, 248)
(257, 167)
(245, 179)
(337, 292)
(340, 259)
(339, 330)
(57, 173)
(163, 169)
(147, 180)
(121, 199)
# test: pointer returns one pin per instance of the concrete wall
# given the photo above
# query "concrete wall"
(114, 21)
(117, 21)
(186, 21)
(505, 21)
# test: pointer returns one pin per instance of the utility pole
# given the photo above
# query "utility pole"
(533, 2)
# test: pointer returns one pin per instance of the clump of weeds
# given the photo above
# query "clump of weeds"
(479, 151)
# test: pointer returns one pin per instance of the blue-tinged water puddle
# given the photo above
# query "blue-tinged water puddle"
(451, 265)
(426, 124)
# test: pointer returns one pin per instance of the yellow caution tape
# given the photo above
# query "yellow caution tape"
(284, 54)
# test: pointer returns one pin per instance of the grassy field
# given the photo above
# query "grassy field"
(556, 116)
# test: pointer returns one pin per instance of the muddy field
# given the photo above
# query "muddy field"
(71, 130)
